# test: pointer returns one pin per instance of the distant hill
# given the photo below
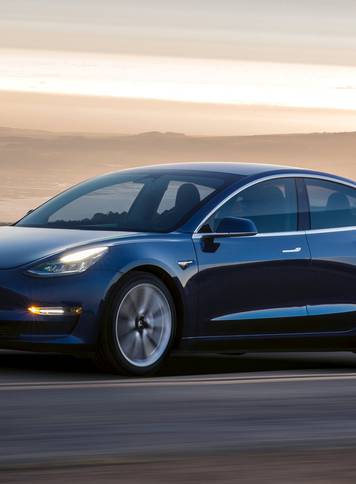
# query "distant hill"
(37, 164)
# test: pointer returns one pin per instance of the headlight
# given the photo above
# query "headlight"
(70, 263)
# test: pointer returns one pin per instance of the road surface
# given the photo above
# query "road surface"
(254, 418)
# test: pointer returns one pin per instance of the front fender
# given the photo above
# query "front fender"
(161, 253)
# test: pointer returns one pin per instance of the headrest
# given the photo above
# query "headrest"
(187, 196)
(338, 201)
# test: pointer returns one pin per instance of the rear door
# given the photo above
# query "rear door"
(332, 242)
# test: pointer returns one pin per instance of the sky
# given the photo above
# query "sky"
(201, 67)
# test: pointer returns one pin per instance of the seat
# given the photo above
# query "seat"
(338, 201)
(267, 208)
(187, 198)
(338, 211)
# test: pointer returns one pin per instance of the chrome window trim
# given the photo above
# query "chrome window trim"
(330, 230)
(280, 234)
(201, 235)
(276, 177)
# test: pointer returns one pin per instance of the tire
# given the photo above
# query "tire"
(139, 327)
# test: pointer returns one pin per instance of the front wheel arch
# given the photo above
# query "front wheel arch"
(172, 286)
(109, 355)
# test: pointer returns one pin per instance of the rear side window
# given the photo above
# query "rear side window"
(272, 205)
(332, 205)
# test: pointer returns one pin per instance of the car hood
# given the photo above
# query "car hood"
(22, 245)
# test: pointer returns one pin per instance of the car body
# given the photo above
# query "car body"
(241, 257)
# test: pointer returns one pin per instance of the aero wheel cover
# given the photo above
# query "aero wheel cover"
(143, 325)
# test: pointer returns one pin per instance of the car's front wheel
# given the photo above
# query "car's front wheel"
(139, 328)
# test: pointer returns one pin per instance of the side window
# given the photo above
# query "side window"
(332, 205)
(272, 205)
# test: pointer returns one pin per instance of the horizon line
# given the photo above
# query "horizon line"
(172, 133)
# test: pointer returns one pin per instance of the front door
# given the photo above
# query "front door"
(258, 284)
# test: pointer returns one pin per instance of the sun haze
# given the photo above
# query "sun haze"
(218, 69)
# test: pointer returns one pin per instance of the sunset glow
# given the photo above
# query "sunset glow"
(179, 79)
(220, 68)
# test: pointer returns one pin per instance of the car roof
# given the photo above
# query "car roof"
(233, 168)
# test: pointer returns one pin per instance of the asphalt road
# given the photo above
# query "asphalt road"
(252, 418)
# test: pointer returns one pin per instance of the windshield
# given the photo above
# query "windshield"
(151, 201)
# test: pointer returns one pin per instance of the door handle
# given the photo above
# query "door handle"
(292, 251)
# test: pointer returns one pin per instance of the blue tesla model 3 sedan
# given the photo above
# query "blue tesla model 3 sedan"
(225, 257)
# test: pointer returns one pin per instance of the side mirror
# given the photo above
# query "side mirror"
(228, 227)
(236, 227)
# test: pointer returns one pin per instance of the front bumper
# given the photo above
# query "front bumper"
(19, 328)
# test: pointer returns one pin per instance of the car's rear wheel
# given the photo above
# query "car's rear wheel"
(139, 328)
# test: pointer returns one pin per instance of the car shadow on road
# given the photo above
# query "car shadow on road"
(259, 362)
(24, 364)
